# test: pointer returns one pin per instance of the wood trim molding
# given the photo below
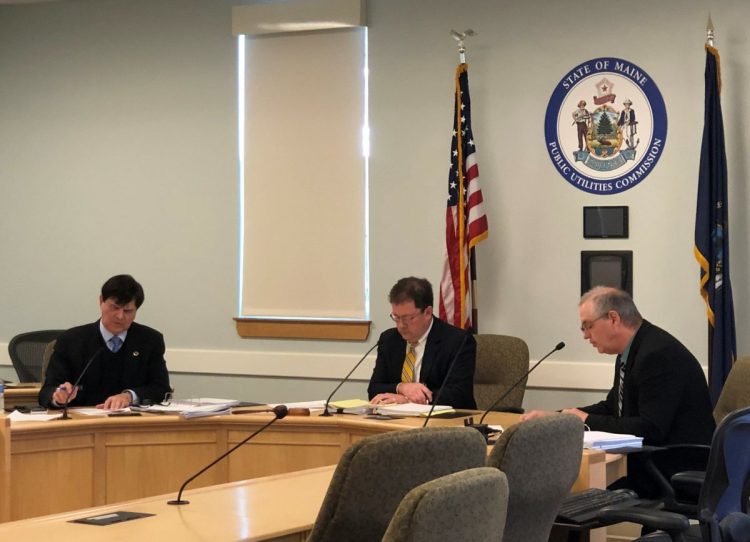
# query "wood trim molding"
(342, 330)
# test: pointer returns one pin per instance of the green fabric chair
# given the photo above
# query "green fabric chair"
(541, 458)
(736, 391)
(375, 473)
(502, 360)
(459, 507)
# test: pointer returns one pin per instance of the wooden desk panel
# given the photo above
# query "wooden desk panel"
(22, 396)
(60, 466)
(4, 468)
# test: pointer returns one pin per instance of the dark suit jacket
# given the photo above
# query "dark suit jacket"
(140, 360)
(443, 344)
(665, 400)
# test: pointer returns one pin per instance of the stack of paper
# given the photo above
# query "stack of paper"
(413, 409)
(601, 440)
(350, 406)
(193, 408)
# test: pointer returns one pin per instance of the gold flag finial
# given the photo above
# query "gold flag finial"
(460, 37)
(710, 32)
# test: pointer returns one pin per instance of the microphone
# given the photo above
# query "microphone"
(325, 409)
(483, 427)
(78, 381)
(450, 370)
(279, 412)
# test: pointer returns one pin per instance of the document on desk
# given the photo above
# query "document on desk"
(413, 409)
(601, 440)
(16, 416)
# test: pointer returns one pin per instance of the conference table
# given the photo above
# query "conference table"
(60, 466)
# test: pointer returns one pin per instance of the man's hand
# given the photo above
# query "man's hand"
(64, 393)
(388, 399)
(116, 402)
(580, 413)
(415, 392)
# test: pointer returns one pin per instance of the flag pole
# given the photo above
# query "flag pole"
(460, 37)
(709, 325)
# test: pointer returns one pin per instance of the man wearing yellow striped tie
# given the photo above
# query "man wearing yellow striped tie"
(414, 357)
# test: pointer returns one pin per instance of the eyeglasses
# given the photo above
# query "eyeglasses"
(586, 325)
(405, 319)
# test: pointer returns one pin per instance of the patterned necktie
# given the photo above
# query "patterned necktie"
(115, 343)
(407, 372)
(621, 368)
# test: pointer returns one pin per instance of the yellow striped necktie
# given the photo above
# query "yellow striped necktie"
(407, 372)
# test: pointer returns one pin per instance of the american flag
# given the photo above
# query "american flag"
(465, 220)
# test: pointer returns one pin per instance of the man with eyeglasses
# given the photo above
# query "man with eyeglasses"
(127, 358)
(415, 356)
(659, 393)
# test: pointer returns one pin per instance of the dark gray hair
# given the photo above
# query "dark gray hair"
(605, 299)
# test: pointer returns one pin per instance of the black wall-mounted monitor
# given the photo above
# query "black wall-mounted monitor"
(607, 268)
(605, 222)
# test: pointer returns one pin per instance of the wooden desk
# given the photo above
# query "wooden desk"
(279, 508)
(26, 396)
(60, 466)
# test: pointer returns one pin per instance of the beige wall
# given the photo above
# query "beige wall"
(117, 123)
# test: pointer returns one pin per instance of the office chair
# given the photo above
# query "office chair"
(501, 361)
(541, 458)
(680, 493)
(459, 507)
(375, 473)
(736, 391)
(26, 351)
(723, 502)
(46, 357)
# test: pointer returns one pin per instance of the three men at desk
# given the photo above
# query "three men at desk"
(659, 390)
(414, 357)
(127, 358)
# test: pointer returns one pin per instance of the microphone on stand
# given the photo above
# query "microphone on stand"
(325, 409)
(279, 412)
(78, 381)
(450, 370)
(483, 427)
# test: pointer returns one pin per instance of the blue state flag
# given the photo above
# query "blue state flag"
(712, 234)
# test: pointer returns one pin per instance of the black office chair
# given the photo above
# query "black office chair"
(723, 503)
(26, 351)
(680, 493)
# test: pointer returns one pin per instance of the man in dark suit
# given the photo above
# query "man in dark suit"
(415, 356)
(127, 359)
(659, 390)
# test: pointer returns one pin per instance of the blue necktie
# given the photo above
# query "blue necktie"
(115, 343)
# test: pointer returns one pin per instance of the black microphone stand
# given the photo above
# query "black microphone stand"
(78, 381)
(445, 380)
(325, 409)
(279, 412)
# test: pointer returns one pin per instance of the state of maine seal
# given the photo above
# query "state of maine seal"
(605, 126)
